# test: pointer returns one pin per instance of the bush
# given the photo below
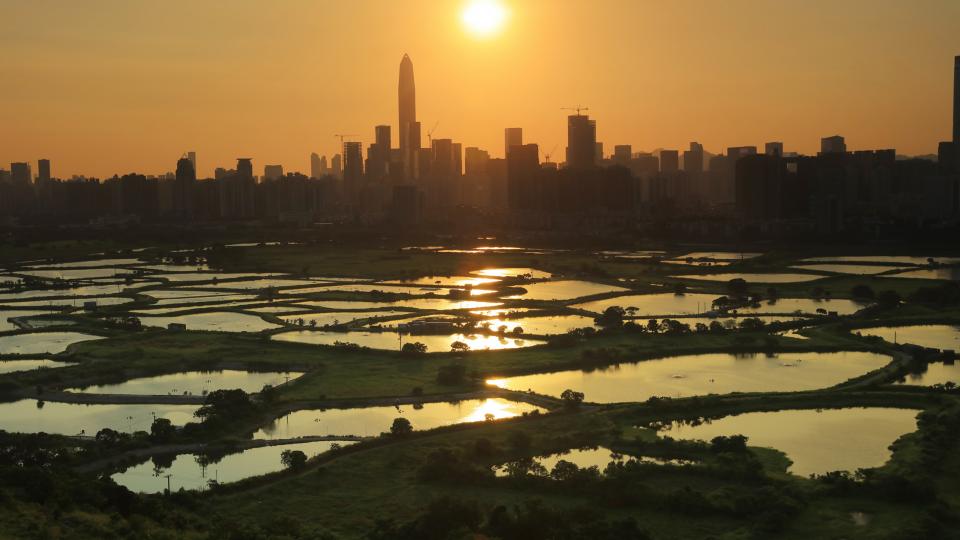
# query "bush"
(293, 459)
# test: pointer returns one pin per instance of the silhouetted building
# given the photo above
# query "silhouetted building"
(272, 172)
(833, 145)
(622, 153)
(511, 137)
(336, 166)
(693, 159)
(20, 174)
(408, 115)
(759, 186)
(181, 203)
(237, 191)
(192, 156)
(774, 149)
(669, 161)
(317, 165)
(352, 164)
(523, 178)
(43, 171)
(378, 154)
(581, 142)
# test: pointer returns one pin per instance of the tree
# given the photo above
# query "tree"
(414, 349)
(108, 436)
(162, 429)
(459, 347)
(571, 399)
(401, 427)
(862, 292)
(737, 286)
(293, 459)
(611, 317)
(652, 326)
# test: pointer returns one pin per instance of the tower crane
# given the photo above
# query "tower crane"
(430, 133)
(343, 136)
(578, 108)
(546, 155)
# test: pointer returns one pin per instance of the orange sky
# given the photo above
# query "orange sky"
(114, 86)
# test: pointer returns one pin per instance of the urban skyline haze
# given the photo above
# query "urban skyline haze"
(111, 87)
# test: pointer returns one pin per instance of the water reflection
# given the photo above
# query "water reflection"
(32, 416)
(394, 341)
(195, 472)
(933, 336)
(701, 374)
(217, 321)
(754, 278)
(13, 366)
(565, 290)
(42, 342)
(816, 441)
(372, 421)
(193, 383)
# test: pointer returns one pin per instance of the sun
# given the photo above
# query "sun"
(484, 17)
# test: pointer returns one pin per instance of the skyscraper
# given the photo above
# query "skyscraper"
(833, 145)
(669, 161)
(512, 137)
(20, 174)
(182, 203)
(43, 171)
(272, 172)
(581, 142)
(316, 169)
(408, 112)
(956, 100)
(192, 156)
(774, 149)
(352, 163)
(693, 159)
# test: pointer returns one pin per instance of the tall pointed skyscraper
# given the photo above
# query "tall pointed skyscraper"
(408, 114)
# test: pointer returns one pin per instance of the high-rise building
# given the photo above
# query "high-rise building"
(192, 156)
(316, 166)
(272, 172)
(20, 174)
(511, 137)
(833, 145)
(43, 171)
(336, 166)
(352, 163)
(183, 184)
(408, 114)
(622, 153)
(378, 153)
(774, 149)
(523, 177)
(956, 100)
(669, 161)
(693, 159)
(581, 142)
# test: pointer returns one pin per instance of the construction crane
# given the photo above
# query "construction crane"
(577, 109)
(430, 133)
(343, 136)
(546, 155)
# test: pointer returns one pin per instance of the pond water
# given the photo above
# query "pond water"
(376, 287)
(262, 283)
(88, 273)
(934, 373)
(598, 457)
(25, 416)
(186, 472)
(442, 304)
(205, 276)
(392, 341)
(6, 315)
(277, 310)
(719, 255)
(451, 281)
(372, 421)
(90, 290)
(91, 263)
(817, 442)
(196, 383)
(701, 374)
(806, 306)
(342, 317)
(885, 259)
(933, 336)
(545, 325)
(41, 342)
(853, 269)
(754, 278)
(176, 267)
(565, 290)
(662, 304)
(703, 263)
(217, 321)
(529, 273)
(951, 274)
(13, 366)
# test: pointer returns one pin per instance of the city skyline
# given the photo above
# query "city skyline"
(99, 143)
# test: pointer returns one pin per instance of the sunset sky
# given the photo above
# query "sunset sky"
(116, 86)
